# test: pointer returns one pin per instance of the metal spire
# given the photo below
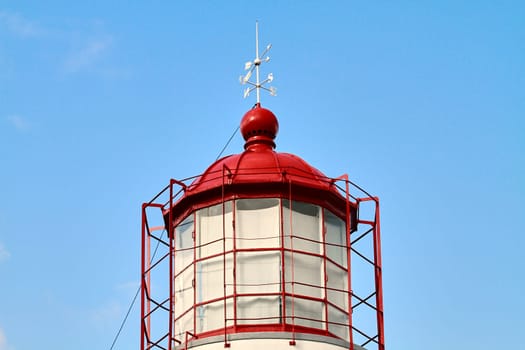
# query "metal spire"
(250, 66)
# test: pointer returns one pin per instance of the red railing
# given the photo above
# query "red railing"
(362, 246)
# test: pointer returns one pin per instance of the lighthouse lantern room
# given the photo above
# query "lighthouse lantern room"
(261, 251)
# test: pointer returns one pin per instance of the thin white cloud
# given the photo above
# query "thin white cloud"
(3, 340)
(106, 315)
(128, 286)
(4, 255)
(19, 123)
(19, 25)
(89, 44)
(88, 55)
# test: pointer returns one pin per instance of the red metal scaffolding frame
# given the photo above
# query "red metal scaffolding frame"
(158, 332)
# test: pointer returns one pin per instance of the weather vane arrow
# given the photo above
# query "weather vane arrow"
(250, 66)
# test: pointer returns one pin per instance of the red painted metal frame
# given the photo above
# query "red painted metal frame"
(375, 227)
(344, 178)
(290, 201)
(225, 306)
(283, 325)
(283, 271)
(171, 235)
(146, 283)
(194, 238)
(165, 340)
(325, 272)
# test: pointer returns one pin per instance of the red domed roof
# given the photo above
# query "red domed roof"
(260, 172)
(260, 166)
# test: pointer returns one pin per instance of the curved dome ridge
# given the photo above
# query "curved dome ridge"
(259, 171)
(259, 168)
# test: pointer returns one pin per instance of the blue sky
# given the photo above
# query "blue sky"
(421, 102)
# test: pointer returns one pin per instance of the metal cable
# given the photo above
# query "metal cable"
(155, 251)
(134, 298)
(227, 143)
(125, 318)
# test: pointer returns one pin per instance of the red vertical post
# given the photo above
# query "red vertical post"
(194, 239)
(325, 277)
(348, 231)
(226, 344)
(283, 271)
(349, 260)
(171, 262)
(148, 278)
(378, 277)
(292, 267)
(142, 280)
(234, 267)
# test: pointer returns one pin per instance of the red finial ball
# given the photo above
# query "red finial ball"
(259, 126)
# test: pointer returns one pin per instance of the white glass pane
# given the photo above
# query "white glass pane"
(183, 301)
(307, 313)
(338, 323)
(305, 227)
(210, 276)
(257, 223)
(209, 229)
(258, 310)
(338, 282)
(308, 271)
(185, 323)
(183, 291)
(258, 272)
(335, 238)
(184, 244)
(211, 316)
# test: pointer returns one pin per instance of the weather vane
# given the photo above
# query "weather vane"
(250, 66)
